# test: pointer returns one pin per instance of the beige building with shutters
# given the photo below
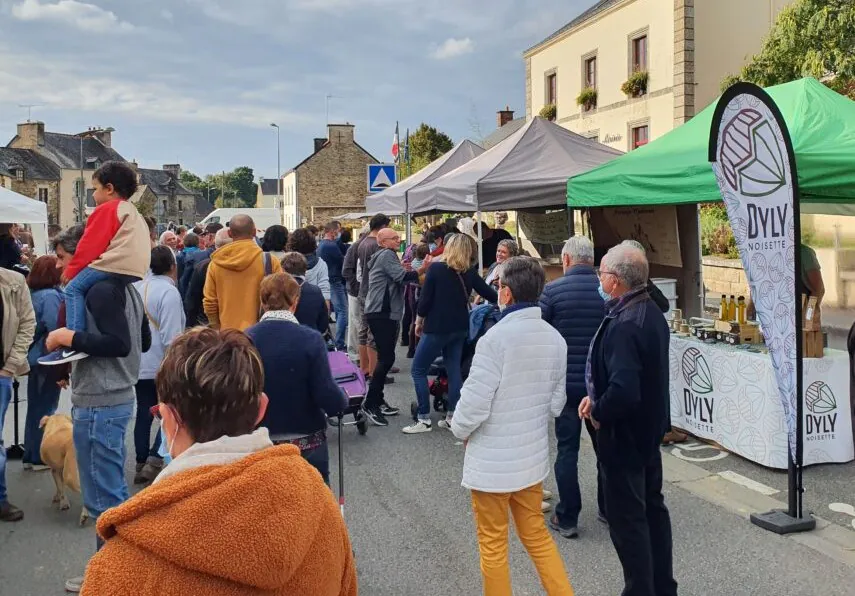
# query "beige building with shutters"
(683, 48)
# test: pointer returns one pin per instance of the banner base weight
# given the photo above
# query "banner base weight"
(780, 522)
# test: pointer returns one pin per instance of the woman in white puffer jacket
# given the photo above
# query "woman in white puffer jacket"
(516, 383)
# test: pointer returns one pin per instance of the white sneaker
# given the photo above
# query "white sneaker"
(545, 506)
(444, 423)
(547, 494)
(419, 426)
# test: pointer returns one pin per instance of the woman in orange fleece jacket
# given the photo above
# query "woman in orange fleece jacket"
(231, 514)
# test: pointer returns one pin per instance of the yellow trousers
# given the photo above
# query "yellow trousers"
(491, 519)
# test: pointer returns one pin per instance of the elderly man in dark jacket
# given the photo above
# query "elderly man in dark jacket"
(627, 381)
(574, 307)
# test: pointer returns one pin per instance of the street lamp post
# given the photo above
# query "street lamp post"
(278, 169)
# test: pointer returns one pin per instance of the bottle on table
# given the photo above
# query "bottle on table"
(731, 308)
(740, 309)
(722, 308)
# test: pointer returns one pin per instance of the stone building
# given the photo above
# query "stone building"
(28, 173)
(72, 155)
(330, 181)
(57, 168)
(268, 196)
(174, 202)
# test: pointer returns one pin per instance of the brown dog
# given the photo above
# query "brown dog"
(58, 454)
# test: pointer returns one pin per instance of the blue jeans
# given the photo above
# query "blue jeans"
(431, 345)
(42, 400)
(99, 439)
(5, 398)
(338, 297)
(319, 457)
(568, 431)
(75, 297)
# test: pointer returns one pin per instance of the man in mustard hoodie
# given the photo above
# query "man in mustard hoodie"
(234, 276)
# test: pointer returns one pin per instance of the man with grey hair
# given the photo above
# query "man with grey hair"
(655, 293)
(572, 304)
(627, 401)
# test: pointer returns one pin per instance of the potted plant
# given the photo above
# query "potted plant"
(636, 84)
(549, 112)
(587, 98)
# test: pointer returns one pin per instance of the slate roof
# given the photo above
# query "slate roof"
(159, 181)
(203, 208)
(35, 166)
(591, 12)
(500, 134)
(270, 186)
(64, 150)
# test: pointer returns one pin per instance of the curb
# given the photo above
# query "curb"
(829, 539)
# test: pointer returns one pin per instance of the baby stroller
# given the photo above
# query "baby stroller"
(481, 320)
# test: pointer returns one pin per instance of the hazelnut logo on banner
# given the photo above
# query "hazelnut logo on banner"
(753, 162)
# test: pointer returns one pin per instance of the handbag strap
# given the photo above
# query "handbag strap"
(465, 292)
(145, 307)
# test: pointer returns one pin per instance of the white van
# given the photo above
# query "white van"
(263, 218)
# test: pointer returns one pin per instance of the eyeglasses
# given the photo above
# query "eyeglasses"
(604, 272)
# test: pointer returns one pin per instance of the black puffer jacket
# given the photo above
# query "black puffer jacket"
(574, 307)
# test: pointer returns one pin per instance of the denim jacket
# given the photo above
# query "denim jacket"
(46, 305)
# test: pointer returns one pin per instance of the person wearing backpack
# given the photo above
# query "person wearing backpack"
(165, 314)
(234, 276)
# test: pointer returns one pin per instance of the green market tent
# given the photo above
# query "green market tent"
(674, 168)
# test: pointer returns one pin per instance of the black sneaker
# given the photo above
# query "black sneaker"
(565, 531)
(388, 410)
(376, 417)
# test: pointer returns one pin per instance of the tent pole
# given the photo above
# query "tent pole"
(517, 221)
(480, 239)
(408, 223)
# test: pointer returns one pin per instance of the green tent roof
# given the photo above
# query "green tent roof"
(674, 169)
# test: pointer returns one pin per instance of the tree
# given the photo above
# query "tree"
(811, 38)
(426, 145)
(242, 181)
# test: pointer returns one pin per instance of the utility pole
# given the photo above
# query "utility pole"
(278, 169)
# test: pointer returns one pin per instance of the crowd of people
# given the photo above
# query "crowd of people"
(215, 343)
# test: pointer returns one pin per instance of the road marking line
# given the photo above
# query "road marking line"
(748, 483)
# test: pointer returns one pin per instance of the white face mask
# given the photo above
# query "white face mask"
(171, 444)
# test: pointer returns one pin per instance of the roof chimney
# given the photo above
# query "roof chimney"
(319, 143)
(173, 168)
(504, 116)
(31, 134)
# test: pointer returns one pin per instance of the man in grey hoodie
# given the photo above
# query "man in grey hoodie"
(102, 391)
(384, 307)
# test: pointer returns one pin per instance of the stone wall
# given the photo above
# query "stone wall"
(724, 276)
(30, 189)
(333, 180)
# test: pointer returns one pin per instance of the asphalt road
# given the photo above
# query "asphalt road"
(413, 534)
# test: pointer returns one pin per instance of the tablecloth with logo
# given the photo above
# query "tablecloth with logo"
(729, 395)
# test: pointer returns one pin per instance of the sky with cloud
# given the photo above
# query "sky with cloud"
(198, 82)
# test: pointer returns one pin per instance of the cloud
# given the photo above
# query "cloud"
(86, 17)
(452, 48)
(167, 15)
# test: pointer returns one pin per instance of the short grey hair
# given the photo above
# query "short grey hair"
(634, 244)
(580, 249)
(525, 277)
(628, 264)
(511, 245)
(221, 238)
(69, 238)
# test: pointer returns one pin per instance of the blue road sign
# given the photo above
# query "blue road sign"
(381, 176)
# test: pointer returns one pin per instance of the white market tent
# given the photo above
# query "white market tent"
(394, 198)
(528, 169)
(16, 208)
